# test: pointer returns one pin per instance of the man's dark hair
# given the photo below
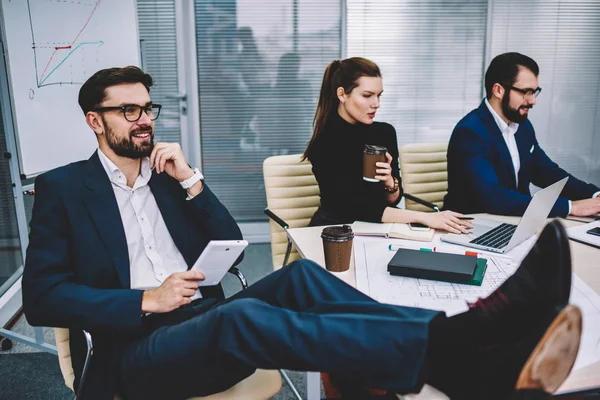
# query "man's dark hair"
(504, 69)
(93, 91)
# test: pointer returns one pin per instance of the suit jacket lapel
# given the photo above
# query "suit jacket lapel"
(102, 205)
(168, 197)
(524, 156)
(499, 142)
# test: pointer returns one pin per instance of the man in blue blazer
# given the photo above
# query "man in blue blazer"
(493, 154)
(111, 245)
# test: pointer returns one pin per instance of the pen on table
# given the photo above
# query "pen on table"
(476, 253)
(393, 247)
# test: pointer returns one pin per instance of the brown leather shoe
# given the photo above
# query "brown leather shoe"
(539, 361)
(552, 359)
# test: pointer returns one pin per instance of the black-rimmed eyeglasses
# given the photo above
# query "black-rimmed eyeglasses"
(527, 93)
(133, 112)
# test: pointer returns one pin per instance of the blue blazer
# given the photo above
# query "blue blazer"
(77, 270)
(481, 176)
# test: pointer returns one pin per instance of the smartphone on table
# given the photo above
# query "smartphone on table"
(416, 226)
(594, 231)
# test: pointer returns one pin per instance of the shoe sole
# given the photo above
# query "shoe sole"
(551, 361)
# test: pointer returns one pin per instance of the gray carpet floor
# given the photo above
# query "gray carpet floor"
(31, 376)
(36, 376)
(26, 373)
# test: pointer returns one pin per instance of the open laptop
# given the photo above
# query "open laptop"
(500, 237)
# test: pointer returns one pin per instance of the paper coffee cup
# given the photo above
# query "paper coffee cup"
(337, 245)
(371, 155)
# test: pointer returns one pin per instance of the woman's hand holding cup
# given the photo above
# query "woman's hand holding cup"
(384, 171)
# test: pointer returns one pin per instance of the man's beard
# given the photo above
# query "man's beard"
(513, 114)
(126, 147)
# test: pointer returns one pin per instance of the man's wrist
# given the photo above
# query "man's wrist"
(196, 189)
(148, 302)
(575, 208)
(187, 175)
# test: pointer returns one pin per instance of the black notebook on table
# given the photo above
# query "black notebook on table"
(431, 265)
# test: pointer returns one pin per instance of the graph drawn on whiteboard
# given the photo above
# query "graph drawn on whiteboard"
(63, 56)
(52, 47)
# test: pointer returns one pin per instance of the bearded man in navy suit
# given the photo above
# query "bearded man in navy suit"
(112, 242)
(494, 155)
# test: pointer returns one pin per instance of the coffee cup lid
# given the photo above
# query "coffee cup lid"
(373, 149)
(337, 233)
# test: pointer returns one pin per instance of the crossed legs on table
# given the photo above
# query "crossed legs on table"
(303, 318)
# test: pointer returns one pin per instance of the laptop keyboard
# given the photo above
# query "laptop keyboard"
(497, 237)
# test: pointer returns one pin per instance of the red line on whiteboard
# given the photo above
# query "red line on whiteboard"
(86, 22)
(71, 45)
(47, 65)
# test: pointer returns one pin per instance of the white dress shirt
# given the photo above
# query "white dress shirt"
(153, 255)
(508, 133)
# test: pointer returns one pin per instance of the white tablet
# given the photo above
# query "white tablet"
(217, 258)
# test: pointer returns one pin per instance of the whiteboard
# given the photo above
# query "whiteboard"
(52, 47)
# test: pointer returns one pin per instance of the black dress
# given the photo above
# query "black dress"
(337, 159)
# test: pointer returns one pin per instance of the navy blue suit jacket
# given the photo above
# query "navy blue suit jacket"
(77, 270)
(481, 176)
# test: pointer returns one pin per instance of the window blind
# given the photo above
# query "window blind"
(260, 65)
(158, 47)
(8, 218)
(563, 37)
(10, 249)
(431, 57)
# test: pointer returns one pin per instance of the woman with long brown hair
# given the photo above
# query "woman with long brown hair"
(343, 125)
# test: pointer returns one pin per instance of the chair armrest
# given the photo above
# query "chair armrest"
(285, 226)
(421, 201)
(235, 271)
(88, 357)
(275, 218)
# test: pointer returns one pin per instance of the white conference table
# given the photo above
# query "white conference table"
(585, 262)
